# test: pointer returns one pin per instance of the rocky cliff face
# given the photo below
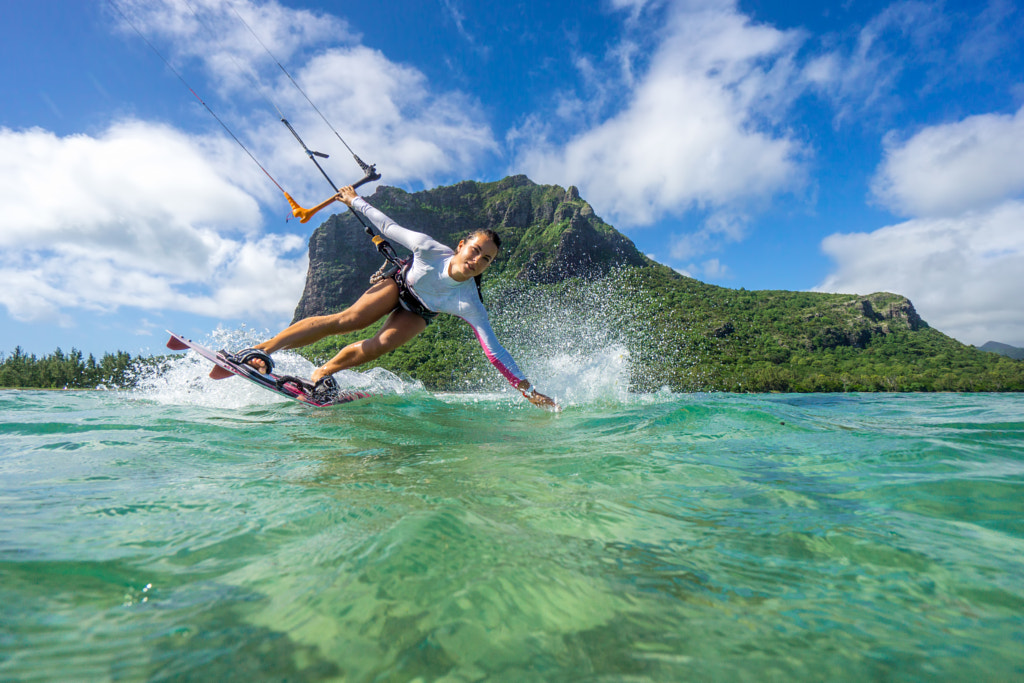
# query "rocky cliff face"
(858, 321)
(548, 234)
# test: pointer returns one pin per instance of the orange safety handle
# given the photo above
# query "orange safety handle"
(305, 214)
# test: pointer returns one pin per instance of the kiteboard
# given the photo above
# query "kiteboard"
(295, 388)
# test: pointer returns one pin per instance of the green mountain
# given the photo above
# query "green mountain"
(568, 288)
(1014, 352)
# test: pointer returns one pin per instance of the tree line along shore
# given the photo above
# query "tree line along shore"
(71, 370)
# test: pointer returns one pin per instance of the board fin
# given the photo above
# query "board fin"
(176, 345)
(220, 373)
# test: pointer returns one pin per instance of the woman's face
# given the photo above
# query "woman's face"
(473, 257)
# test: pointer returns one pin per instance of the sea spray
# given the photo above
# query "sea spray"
(183, 379)
(580, 341)
(591, 340)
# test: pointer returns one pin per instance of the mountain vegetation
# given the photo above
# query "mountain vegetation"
(568, 286)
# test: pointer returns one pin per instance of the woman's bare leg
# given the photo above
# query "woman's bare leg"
(399, 328)
(374, 304)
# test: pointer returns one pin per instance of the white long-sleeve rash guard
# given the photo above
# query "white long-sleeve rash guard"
(429, 279)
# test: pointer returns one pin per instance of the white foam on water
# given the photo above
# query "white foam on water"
(594, 376)
(183, 378)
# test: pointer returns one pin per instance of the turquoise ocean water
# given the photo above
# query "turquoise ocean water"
(193, 531)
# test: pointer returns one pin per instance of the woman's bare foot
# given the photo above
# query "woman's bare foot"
(256, 358)
(258, 365)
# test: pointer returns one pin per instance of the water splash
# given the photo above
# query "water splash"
(585, 378)
(584, 342)
(580, 342)
(183, 379)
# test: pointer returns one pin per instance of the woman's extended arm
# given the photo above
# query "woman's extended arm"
(410, 239)
(502, 360)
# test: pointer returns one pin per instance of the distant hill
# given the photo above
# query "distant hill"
(1003, 350)
(568, 283)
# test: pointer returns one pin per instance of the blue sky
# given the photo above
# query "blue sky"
(841, 147)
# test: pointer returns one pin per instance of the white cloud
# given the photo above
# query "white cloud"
(948, 169)
(146, 216)
(413, 133)
(964, 274)
(695, 129)
(634, 7)
(711, 269)
(718, 229)
(991, 32)
(140, 215)
(90, 186)
(217, 33)
(861, 79)
(385, 111)
(960, 257)
(458, 18)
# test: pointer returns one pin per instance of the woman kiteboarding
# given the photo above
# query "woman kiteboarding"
(436, 279)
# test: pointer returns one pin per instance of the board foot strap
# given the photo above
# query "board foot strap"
(245, 355)
(326, 390)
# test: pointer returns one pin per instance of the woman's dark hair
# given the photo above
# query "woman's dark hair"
(489, 234)
(492, 236)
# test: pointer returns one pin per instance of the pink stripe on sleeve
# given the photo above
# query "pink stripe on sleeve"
(501, 360)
